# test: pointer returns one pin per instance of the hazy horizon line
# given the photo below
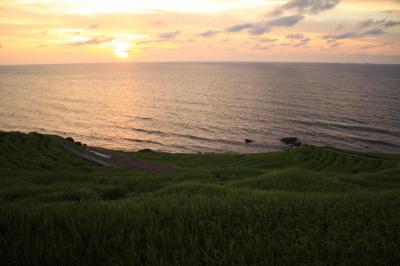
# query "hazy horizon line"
(194, 61)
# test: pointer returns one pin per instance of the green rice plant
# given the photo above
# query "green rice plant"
(303, 206)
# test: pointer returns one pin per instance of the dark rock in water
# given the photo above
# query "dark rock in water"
(145, 150)
(296, 144)
(84, 145)
(289, 140)
(248, 140)
(78, 143)
(70, 139)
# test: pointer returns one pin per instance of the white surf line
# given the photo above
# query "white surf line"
(100, 154)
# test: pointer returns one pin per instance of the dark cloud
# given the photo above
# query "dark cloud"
(353, 35)
(376, 31)
(391, 11)
(269, 40)
(370, 46)
(283, 44)
(366, 23)
(167, 36)
(300, 44)
(378, 23)
(239, 27)
(93, 41)
(270, 46)
(271, 43)
(298, 40)
(209, 33)
(300, 6)
(259, 28)
(265, 26)
(336, 44)
(266, 45)
(305, 6)
(295, 36)
(94, 26)
(346, 35)
(286, 21)
(391, 23)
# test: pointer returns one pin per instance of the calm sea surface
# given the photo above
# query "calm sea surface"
(206, 107)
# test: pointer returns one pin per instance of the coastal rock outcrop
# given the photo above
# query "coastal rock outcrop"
(145, 150)
(248, 140)
(291, 141)
(70, 139)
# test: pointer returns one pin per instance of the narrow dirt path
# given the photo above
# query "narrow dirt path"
(110, 158)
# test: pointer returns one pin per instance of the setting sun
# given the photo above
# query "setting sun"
(121, 49)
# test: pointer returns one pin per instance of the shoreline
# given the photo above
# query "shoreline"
(120, 159)
(273, 148)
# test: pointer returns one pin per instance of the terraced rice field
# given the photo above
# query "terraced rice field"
(304, 206)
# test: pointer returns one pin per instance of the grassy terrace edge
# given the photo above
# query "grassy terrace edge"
(303, 206)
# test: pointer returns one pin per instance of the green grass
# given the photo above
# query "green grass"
(304, 206)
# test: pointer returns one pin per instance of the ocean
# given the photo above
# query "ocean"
(206, 107)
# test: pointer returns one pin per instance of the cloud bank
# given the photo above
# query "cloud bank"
(93, 41)
(167, 36)
(381, 23)
(353, 35)
(305, 6)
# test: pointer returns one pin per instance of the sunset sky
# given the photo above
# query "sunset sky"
(61, 31)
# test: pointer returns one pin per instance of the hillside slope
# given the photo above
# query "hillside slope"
(308, 205)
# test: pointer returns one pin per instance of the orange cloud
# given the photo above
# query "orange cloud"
(198, 30)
